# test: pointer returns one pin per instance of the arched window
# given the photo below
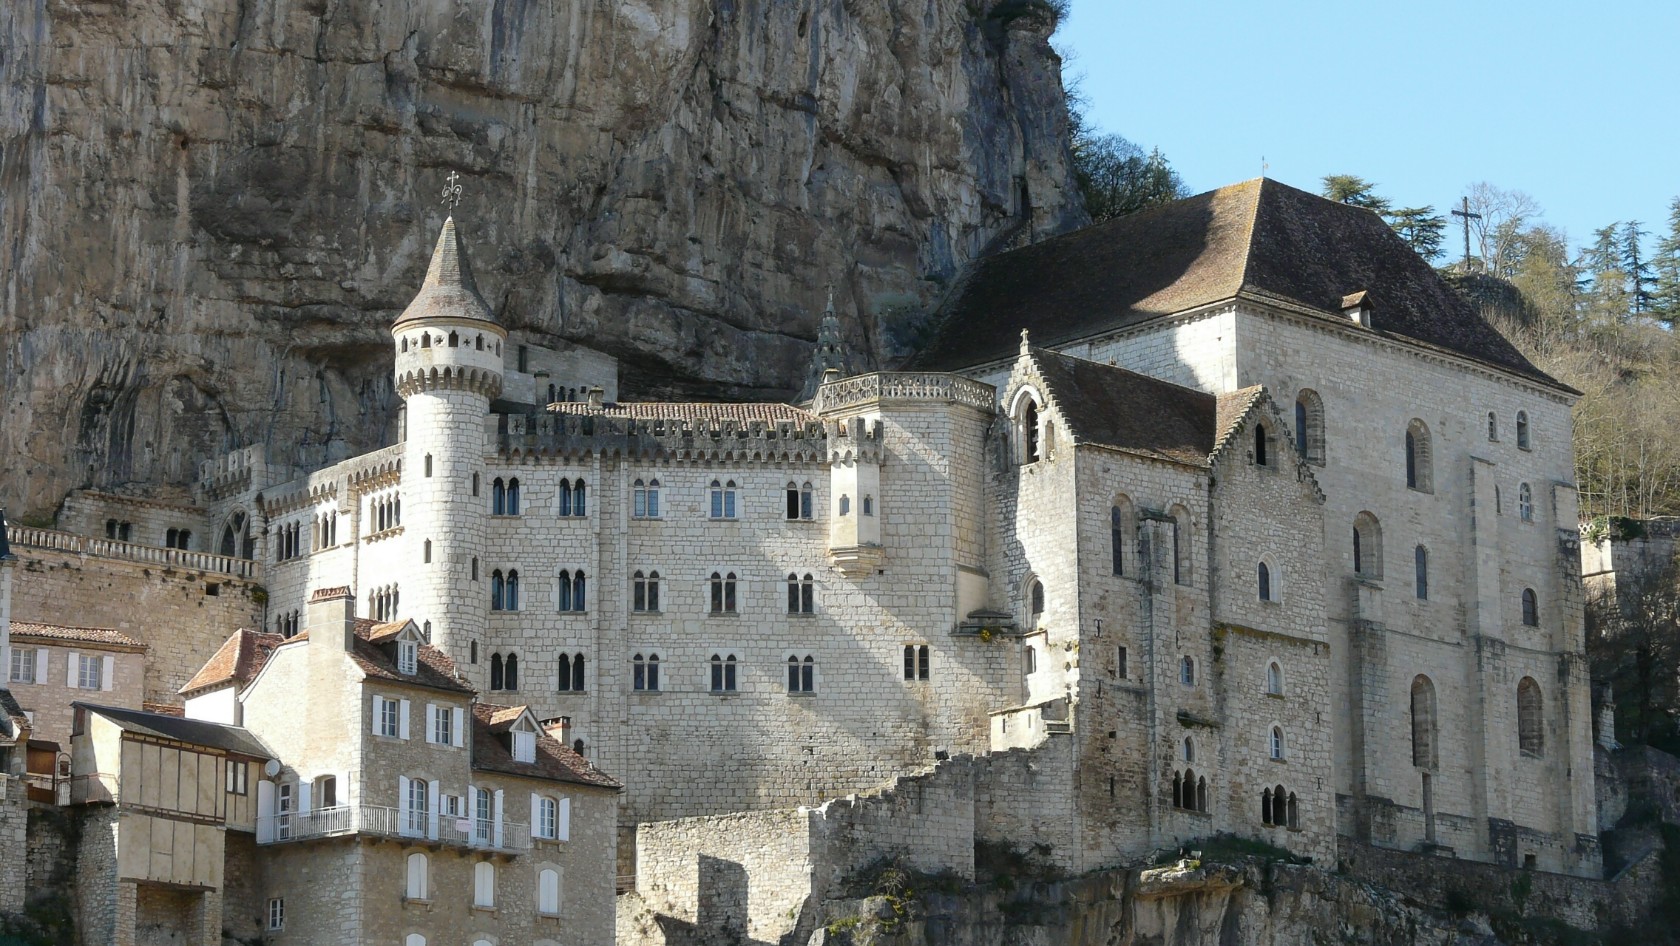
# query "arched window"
(869, 504)
(1187, 670)
(723, 499)
(1420, 565)
(1420, 465)
(513, 497)
(1530, 608)
(1522, 430)
(580, 498)
(475, 483)
(1264, 582)
(426, 341)
(1030, 659)
(801, 594)
(571, 676)
(510, 592)
(1309, 426)
(1201, 793)
(799, 501)
(723, 593)
(548, 892)
(498, 589)
(1188, 751)
(472, 652)
(496, 678)
(484, 884)
(644, 592)
(1181, 545)
(645, 672)
(1277, 743)
(1260, 445)
(646, 500)
(915, 661)
(1525, 503)
(1493, 427)
(1035, 596)
(565, 498)
(801, 675)
(1119, 518)
(510, 673)
(845, 505)
(498, 497)
(1029, 432)
(1294, 814)
(454, 340)
(1266, 806)
(1531, 739)
(723, 674)
(414, 939)
(419, 878)
(1423, 723)
(1367, 546)
(580, 599)
(1274, 679)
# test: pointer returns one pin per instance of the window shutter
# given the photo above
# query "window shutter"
(565, 827)
(107, 672)
(431, 722)
(458, 727)
(70, 670)
(402, 804)
(378, 712)
(304, 791)
(535, 818)
(402, 719)
(41, 665)
(432, 810)
(498, 811)
(265, 811)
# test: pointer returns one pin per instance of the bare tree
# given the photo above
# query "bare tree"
(1505, 215)
(1633, 644)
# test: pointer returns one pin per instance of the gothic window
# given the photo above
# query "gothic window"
(1189, 791)
(1493, 427)
(1188, 751)
(1035, 594)
(723, 674)
(1180, 517)
(799, 501)
(1277, 743)
(454, 340)
(723, 499)
(571, 676)
(801, 675)
(801, 593)
(1420, 469)
(1423, 723)
(1531, 738)
(1187, 670)
(845, 505)
(510, 672)
(498, 497)
(1530, 608)
(915, 661)
(1367, 546)
(1260, 457)
(496, 672)
(1309, 426)
(1420, 565)
(1293, 819)
(475, 483)
(1274, 678)
(1117, 539)
(1525, 503)
(868, 504)
(572, 591)
(723, 593)
(644, 672)
(498, 588)
(513, 496)
(1029, 432)
(574, 502)
(510, 591)
(645, 591)
(1263, 579)
(1522, 430)
(646, 496)
(1266, 806)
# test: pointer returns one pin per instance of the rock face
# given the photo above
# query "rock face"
(212, 211)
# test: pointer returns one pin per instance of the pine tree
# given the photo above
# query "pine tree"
(1603, 282)
(1665, 292)
(1422, 228)
(1636, 269)
(1355, 190)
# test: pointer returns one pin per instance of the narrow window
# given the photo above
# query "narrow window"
(1294, 816)
(277, 913)
(723, 674)
(915, 662)
(1182, 573)
(845, 505)
(565, 498)
(1277, 743)
(1367, 546)
(1029, 432)
(922, 662)
(1274, 679)
(496, 678)
(418, 877)
(1530, 720)
(580, 498)
(645, 672)
(510, 675)
(801, 675)
(868, 504)
(792, 511)
(1522, 430)
(475, 568)
(1493, 427)
(1530, 608)
(475, 484)
(1525, 503)
(1116, 540)
(639, 500)
(1420, 562)
(548, 885)
(1309, 426)
(1423, 723)
(564, 590)
(1259, 445)
(1420, 462)
(1031, 660)
(1264, 578)
(426, 552)
(498, 497)
(454, 340)
(1036, 600)
(1122, 663)
(564, 678)
(1189, 750)
(510, 596)
(807, 506)
(1187, 671)
(484, 884)
(653, 499)
(1266, 806)
(513, 497)
(578, 677)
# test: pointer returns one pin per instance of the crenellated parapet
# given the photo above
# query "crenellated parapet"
(854, 440)
(485, 382)
(871, 390)
(232, 473)
(683, 439)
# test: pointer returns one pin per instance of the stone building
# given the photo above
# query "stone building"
(1229, 516)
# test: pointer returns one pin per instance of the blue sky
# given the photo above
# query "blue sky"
(1576, 103)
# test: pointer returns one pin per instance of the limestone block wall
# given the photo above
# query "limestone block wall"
(329, 891)
(750, 873)
(49, 698)
(14, 842)
(182, 616)
(86, 511)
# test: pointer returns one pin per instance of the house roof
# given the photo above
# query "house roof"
(1112, 407)
(688, 411)
(555, 761)
(449, 292)
(89, 636)
(237, 661)
(1259, 240)
(198, 732)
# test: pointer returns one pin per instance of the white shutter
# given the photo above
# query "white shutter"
(565, 832)
(498, 817)
(535, 817)
(431, 722)
(433, 803)
(305, 789)
(70, 670)
(265, 811)
(378, 712)
(41, 665)
(402, 719)
(107, 672)
(402, 804)
(458, 727)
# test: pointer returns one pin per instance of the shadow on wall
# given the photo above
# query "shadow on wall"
(721, 916)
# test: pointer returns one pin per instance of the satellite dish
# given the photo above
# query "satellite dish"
(271, 768)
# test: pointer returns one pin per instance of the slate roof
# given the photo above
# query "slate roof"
(238, 660)
(198, 732)
(688, 411)
(449, 291)
(94, 636)
(555, 762)
(1259, 240)
(1112, 407)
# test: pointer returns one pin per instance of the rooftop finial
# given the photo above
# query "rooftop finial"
(1024, 343)
(452, 191)
(829, 309)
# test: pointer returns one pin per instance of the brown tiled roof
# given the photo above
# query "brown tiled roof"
(449, 292)
(1113, 407)
(96, 636)
(689, 411)
(1233, 408)
(238, 660)
(555, 762)
(163, 709)
(198, 732)
(1259, 240)
(435, 670)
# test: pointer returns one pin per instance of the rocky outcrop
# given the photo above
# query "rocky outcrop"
(212, 211)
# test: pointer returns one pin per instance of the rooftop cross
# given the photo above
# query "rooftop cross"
(1468, 216)
(452, 191)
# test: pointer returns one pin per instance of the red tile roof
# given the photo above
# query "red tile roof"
(555, 762)
(96, 636)
(238, 660)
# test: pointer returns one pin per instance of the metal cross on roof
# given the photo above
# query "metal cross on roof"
(452, 191)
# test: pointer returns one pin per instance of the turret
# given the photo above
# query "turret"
(449, 368)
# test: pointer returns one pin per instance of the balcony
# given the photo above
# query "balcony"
(55, 541)
(376, 821)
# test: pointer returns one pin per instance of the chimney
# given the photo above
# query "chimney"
(595, 394)
(560, 728)
(332, 619)
(1357, 307)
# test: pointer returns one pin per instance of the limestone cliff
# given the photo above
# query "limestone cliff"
(211, 211)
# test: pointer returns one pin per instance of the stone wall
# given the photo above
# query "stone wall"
(50, 698)
(14, 842)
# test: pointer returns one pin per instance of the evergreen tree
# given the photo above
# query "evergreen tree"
(1422, 228)
(1117, 178)
(1635, 268)
(1355, 190)
(1665, 266)
(1602, 278)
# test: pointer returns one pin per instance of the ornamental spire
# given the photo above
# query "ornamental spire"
(449, 290)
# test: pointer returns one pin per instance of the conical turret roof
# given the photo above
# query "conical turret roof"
(449, 291)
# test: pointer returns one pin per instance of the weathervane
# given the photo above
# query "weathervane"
(452, 191)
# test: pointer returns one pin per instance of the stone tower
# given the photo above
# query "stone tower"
(449, 368)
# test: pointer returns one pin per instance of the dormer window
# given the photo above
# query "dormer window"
(408, 657)
(524, 746)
